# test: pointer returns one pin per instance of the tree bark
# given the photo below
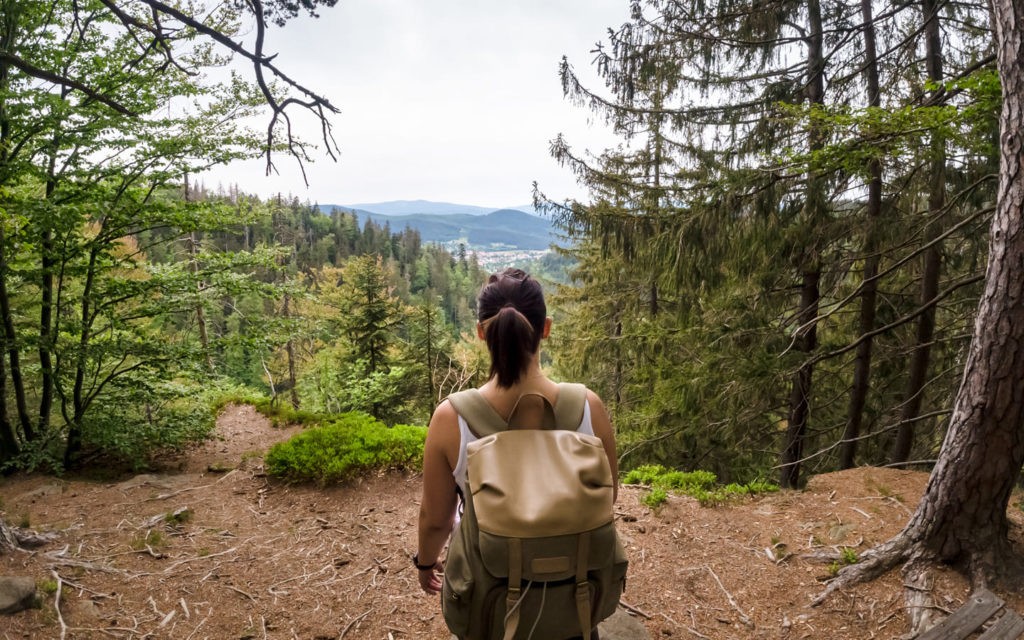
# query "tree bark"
(814, 205)
(289, 348)
(869, 287)
(9, 445)
(46, 290)
(800, 394)
(11, 347)
(921, 357)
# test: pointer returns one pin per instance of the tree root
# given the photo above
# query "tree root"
(873, 563)
(17, 539)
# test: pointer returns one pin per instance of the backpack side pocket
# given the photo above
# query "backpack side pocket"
(457, 588)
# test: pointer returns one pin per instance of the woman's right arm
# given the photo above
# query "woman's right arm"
(602, 426)
(437, 506)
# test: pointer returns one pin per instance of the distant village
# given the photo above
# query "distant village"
(494, 260)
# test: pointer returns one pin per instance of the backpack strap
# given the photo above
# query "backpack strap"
(569, 410)
(483, 420)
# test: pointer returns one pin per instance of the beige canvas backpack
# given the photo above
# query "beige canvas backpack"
(536, 554)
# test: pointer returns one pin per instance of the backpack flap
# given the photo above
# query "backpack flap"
(530, 483)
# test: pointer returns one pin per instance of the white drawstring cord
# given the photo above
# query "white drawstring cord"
(518, 602)
(543, 593)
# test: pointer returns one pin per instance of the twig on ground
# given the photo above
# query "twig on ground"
(56, 604)
(632, 609)
(690, 629)
(201, 623)
(354, 621)
(732, 601)
(237, 590)
(187, 560)
(91, 566)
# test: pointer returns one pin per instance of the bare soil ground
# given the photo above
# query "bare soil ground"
(255, 558)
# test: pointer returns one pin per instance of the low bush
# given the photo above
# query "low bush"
(696, 484)
(349, 445)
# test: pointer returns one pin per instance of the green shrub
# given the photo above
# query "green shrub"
(350, 445)
(645, 474)
(699, 485)
(655, 498)
(281, 412)
(141, 418)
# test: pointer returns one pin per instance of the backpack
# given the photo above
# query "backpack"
(536, 554)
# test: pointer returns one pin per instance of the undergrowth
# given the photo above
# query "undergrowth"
(344, 447)
(700, 485)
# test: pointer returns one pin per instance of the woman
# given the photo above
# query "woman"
(512, 320)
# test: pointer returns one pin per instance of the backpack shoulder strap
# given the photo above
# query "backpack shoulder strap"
(483, 420)
(569, 409)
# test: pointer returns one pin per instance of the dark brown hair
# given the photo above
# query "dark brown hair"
(511, 310)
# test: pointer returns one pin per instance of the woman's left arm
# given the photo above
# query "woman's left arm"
(602, 426)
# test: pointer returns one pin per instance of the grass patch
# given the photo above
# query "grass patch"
(847, 556)
(48, 586)
(347, 446)
(701, 485)
(152, 540)
(283, 414)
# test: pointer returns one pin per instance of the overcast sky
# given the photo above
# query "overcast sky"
(446, 100)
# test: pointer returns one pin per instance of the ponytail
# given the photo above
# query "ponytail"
(510, 341)
(512, 313)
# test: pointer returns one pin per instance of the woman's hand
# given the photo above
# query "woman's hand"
(430, 579)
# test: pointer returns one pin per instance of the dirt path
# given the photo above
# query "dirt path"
(255, 558)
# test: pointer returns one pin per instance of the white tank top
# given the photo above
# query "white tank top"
(466, 436)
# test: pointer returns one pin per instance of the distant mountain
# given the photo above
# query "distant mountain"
(503, 229)
(412, 207)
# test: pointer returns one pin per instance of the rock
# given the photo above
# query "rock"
(622, 626)
(17, 593)
(50, 489)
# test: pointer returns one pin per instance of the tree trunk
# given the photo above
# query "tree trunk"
(46, 249)
(963, 512)
(8, 432)
(806, 340)
(962, 516)
(289, 349)
(74, 439)
(9, 445)
(11, 347)
(869, 286)
(799, 399)
(921, 356)
(193, 251)
(204, 335)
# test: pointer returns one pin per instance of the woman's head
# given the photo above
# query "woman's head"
(513, 318)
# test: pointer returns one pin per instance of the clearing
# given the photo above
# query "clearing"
(255, 558)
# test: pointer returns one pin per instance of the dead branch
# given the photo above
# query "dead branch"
(237, 590)
(56, 604)
(688, 628)
(193, 559)
(732, 601)
(632, 609)
(354, 621)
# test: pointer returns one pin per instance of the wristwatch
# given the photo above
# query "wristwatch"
(422, 567)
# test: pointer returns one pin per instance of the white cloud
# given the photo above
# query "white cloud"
(452, 100)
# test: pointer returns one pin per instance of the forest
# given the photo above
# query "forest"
(776, 272)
